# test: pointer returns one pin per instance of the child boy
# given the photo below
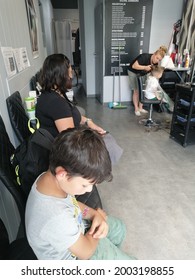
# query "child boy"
(57, 225)
(153, 89)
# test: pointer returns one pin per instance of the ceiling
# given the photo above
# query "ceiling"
(64, 4)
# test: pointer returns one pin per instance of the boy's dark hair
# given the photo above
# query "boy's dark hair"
(81, 152)
(54, 73)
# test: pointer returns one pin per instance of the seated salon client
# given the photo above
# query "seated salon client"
(141, 65)
(154, 91)
(57, 225)
(54, 110)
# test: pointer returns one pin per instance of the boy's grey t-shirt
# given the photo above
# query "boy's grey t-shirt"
(52, 225)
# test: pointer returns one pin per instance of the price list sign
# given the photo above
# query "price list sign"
(127, 32)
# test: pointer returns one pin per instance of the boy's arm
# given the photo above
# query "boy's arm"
(88, 212)
(156, 94)
(99, 227)
(84, 247)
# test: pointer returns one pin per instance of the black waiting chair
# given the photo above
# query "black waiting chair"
(149, 122)
(18, 116)
(34, 83)
(7, 173)
(91, 199)
(19, 121)
(19, 248)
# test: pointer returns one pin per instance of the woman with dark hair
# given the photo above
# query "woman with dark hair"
(54, 110)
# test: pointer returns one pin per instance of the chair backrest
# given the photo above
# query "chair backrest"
(33, 83)
(141, 80)
(19, 248)
(7, 174)
(141, 88)
(4, 241)
(18, 116)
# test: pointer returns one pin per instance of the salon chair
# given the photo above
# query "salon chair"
(149, 122)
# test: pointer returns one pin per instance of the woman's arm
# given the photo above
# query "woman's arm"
(99, 226)
(137, 66)
(63, 124)
(92, 125)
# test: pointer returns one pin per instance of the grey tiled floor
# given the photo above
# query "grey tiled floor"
(153, 189)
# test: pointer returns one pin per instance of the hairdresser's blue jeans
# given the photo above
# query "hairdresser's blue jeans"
(108, 248)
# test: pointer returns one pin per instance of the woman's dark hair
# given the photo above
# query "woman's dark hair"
(81, 152)
(55, 73)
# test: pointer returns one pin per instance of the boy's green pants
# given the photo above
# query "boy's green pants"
(108, 248)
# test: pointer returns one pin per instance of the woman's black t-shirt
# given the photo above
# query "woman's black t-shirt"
(143, 59)
(51, 107)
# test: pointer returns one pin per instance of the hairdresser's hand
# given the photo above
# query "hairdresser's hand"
(99, 227)
(147, 68)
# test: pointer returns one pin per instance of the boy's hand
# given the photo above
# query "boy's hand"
(99, 227)
(102, 212)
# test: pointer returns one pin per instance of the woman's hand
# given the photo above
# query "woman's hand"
(93, 126)
(147, 68)
(138, 66)
(99, 227)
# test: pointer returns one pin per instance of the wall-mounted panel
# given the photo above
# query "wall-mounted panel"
(127, 32)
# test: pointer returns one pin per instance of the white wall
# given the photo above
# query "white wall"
(14, 33)
(164, 15)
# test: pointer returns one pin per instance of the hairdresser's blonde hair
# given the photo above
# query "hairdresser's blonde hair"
(161, 51)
